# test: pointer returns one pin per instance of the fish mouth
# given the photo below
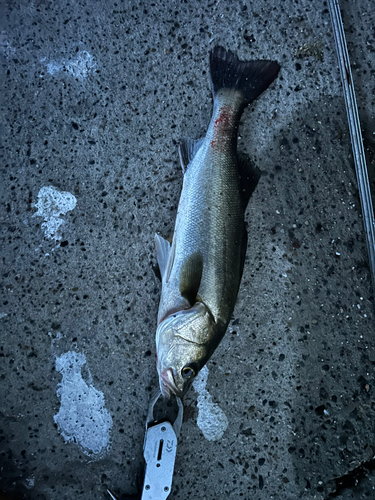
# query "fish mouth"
(168, 384)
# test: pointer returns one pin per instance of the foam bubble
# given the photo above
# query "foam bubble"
(212, 421)
(51, 205)
(82, 417)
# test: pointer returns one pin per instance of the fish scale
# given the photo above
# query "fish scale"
(211, 197)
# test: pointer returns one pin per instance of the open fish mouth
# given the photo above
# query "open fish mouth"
(167, 384)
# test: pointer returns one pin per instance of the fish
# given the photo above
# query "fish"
(201, 268)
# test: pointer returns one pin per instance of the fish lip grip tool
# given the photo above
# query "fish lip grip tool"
(159, 451)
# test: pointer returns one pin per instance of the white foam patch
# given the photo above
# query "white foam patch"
(82, 417)
(52, 204)
(78, 66)
(212, 421)
(54, 67)
(81, 65)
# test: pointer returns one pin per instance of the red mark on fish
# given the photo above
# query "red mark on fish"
(222, 126)
(225, 114)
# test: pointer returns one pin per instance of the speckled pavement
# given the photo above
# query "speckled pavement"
(96, 97)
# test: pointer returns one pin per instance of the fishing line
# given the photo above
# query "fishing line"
(355, 133)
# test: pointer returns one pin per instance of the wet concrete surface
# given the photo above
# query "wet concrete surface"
(97, 97)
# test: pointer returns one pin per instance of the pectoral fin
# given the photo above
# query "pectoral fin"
(190, 276)
(164, 257)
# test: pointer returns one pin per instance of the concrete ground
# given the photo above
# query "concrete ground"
(96, 97)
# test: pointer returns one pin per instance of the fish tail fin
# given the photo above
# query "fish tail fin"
(250, 78)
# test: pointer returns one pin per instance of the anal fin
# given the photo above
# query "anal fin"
(249, 177)
(187, 150)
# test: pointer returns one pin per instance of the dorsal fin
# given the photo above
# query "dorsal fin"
(190, 276)
(249, 177)
(187, 150)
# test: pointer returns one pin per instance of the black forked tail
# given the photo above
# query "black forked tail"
(250, 78)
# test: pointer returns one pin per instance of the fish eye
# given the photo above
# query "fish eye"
(188, 372)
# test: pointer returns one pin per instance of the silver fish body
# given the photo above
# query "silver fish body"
(201, 271)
